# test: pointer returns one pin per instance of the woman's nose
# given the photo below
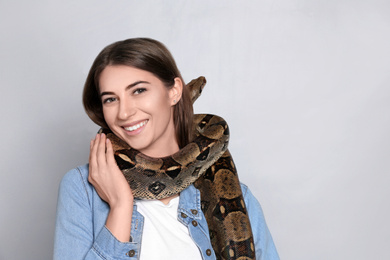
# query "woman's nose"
(126, 109)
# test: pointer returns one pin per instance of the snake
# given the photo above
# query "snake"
(207, 164)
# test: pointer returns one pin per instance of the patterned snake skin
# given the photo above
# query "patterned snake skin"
(206, 163)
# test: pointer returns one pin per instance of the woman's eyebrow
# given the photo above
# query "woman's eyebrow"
(127, 88)
(136, 83)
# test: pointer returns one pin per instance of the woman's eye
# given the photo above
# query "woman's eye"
(139, 90)
(108, 100)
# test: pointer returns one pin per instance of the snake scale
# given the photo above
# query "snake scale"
(206, 163)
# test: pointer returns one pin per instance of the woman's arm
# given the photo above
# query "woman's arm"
(264, 244)
(74, 226)
(74, 235)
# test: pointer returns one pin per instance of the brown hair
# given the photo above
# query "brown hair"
(145, 54)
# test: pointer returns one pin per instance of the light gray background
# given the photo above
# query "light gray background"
(303, 84)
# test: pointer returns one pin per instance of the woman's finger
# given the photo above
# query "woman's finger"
(92, 158)
(110, 152)
(92, 154)
(90, 148)
(101, 151)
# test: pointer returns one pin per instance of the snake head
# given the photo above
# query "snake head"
(195, 87)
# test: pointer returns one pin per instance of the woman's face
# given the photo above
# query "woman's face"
(138, 108)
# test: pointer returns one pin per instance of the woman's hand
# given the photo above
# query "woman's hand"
(105, 175)
(111, 186)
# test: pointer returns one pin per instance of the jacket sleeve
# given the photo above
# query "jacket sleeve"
(74, 234)
(264, 244)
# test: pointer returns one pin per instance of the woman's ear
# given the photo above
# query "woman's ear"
(176, 91)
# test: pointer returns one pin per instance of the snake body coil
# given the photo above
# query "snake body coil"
(206, 163)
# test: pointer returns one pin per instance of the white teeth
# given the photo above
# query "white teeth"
(135, 127)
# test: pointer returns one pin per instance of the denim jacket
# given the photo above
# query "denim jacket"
(81, 232)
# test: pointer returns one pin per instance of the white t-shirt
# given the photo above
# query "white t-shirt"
(163, 236)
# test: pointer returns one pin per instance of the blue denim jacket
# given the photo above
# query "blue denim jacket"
(81, 215)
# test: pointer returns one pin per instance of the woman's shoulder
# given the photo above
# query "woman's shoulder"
(250, 200)
(244, 188)
(76, 180)
(246, 192)
(76, 174)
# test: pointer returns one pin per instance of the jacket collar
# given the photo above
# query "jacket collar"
(188, 205)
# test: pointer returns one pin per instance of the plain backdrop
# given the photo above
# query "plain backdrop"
(303, 84)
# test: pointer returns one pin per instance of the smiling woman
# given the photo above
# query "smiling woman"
(147, 55)
(135, 92)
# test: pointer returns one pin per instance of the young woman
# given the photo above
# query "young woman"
(135, 91)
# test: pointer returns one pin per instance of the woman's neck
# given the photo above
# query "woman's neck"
(168, 199)
(167, 150)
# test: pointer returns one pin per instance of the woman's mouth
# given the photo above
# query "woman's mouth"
(135, 127)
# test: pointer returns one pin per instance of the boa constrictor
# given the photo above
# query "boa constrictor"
(206, 163)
